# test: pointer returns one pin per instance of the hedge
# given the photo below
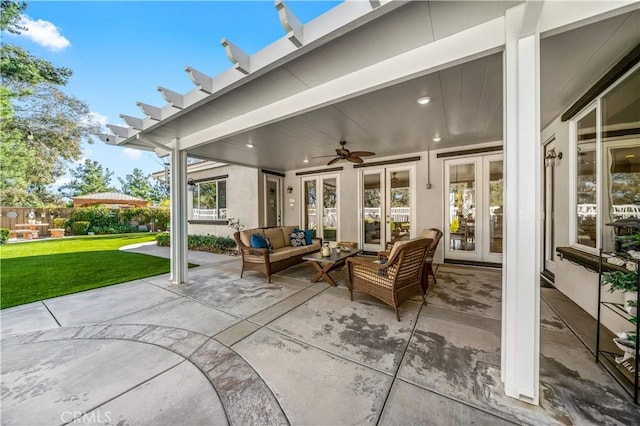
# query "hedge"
(209, 243)
(80, 228)
(107, 221)
(4, 235)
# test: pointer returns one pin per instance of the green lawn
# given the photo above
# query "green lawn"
(39, 270)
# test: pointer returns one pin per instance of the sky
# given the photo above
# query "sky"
(121, 51)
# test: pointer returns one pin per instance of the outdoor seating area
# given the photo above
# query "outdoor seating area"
(245, 351)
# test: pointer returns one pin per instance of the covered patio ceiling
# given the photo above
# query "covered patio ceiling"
(466, 101)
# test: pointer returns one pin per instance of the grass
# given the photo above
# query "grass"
(40, 270)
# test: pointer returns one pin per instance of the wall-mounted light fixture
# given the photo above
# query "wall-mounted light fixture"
(191, 185)
(289, 190)
(551, 157)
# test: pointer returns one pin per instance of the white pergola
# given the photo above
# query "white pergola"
(269, 96)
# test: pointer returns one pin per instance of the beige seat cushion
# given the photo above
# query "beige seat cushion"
(280, 254)
(298, 251)
(286, 231)
(276, 237)
(245, 236)
(312, 247)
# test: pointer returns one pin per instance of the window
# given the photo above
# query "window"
(210, 200)
(606, 140)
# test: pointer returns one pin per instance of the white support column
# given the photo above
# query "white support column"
(520, 279)
(179, 262)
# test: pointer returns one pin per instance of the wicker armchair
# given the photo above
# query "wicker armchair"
(433, 234)
(396, 280)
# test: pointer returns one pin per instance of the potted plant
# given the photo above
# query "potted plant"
(626, 282)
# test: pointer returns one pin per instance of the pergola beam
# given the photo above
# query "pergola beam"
(202, 81)
(174, 99)
(110, 139)
(134, 122)
(240, 60)
(153, 112)
(291, 24)
(123, 132)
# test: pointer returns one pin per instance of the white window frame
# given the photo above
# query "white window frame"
(320, 202)
(600, 157)
(205, 216)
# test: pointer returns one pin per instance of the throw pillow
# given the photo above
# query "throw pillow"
(297, 239)
(257, 241)
(308, 236)
(269, 245)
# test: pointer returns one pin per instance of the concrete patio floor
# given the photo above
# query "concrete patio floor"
(225, 350)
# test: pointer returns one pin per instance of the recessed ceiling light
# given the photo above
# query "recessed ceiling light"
(306, 160)
(424, 100)
(437, 139)
(249, 145)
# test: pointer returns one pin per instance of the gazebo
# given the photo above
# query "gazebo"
(108, 199)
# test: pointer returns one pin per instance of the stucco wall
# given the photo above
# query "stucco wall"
(242, 198)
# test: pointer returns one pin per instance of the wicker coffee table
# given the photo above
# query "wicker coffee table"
(324, 265)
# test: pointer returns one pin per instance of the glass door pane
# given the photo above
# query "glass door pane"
(462, 207)
(310, 205)
(496, 189)
(372, 193)
(400, 205)
(329, 209)
(586, 208)
(272, 199)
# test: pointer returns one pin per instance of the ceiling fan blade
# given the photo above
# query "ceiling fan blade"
(355, 159)
(362, 153)
(324, 156)
(335, 160)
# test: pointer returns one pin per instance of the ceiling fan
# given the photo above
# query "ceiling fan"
(343, 153)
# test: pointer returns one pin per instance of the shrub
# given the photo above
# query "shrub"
(4, 235)
(80, 228)
(59, 222)
(209, 243)
(98, 217)
(163, 239)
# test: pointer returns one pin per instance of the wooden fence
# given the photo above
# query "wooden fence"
(9, 216)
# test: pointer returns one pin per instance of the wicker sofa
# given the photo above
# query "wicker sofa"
(283, 256)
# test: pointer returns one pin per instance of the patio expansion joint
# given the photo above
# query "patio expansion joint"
(404, 353)
(302, 342)
(51, 313)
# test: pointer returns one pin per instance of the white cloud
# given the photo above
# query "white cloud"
(43, 33)
(132, 154)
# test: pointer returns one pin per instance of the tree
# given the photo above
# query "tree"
(10, 16)
(144, 186)
(88, 178)
(42, 128)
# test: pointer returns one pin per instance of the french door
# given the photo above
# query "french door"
(387, 206)
(321, 207)
(272, 201)
(473, 203)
